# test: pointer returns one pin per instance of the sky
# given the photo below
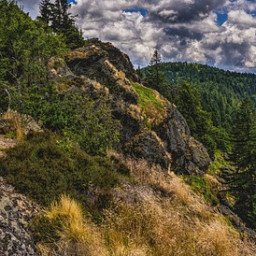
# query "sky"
(220, 33)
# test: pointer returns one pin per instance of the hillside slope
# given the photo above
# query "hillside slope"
(90, 157)
(151, 127)
(130, 203)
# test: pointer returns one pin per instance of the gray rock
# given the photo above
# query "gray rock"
(189, 155)
(16, 212)
(147, 145)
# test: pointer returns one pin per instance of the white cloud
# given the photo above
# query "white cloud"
(183, 30)
(31, 6)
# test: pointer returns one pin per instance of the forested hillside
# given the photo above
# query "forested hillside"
(221, 91)
(208, 97)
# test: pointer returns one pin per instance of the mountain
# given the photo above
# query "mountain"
(92, 162)
(152, 128)
(221, 91)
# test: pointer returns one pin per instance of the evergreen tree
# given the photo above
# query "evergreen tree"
(155, 61)
(243, 182)
(25, 48)
(57, 16)
(46, 11)
(243, 135)
(188, 100)
(138, 71)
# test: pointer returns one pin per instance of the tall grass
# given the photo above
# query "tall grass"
(77, 235)
(157, 215)
(17, 123)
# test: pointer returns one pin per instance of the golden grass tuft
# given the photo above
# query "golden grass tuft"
(176, 222)
(77, 234)
(16, 122)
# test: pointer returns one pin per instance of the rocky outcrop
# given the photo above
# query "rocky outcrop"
(189, 155)
(16, 212)
(107, 65)
(147, 145)
(151, 127)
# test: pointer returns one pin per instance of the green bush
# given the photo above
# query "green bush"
(74, 115)
(43, 169)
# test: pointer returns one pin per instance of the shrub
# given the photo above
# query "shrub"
(42, 169)
(75, 115)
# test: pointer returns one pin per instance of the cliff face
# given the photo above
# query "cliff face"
(152, 127)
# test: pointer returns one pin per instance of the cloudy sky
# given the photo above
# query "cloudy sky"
(221, 33)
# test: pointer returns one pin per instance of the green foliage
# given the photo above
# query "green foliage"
(219, 161)
(155, 77)
(25, 49)
(221, 91)
(202, 98)
(243, 181)
(244, 134)
(75, 116)
(146, 96)
(152, 105)
(46, 230)
(57, 17)
(187, 98)
(202, 186)
(43, 170)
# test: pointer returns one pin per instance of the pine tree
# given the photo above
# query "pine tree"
(155, 60)
(138, 71)
(57, 16)
(46, 11)
(243, 182)
(243, 135)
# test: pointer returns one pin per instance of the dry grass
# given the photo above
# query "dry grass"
(16, 122)
(78, 236)
(170, 219)
(157, 216)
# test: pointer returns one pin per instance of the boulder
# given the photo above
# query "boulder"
(189, 156)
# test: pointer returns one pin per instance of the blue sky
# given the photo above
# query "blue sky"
(221, 18)
(72, 1)
(215, 32)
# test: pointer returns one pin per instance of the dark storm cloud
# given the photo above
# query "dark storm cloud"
(182, 11)
(183, 32)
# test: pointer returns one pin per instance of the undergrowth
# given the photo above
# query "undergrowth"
(202, 186)
(43, 167)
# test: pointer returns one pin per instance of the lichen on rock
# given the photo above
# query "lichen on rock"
(16, 212)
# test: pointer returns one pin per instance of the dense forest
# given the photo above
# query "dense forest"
(208, 97)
